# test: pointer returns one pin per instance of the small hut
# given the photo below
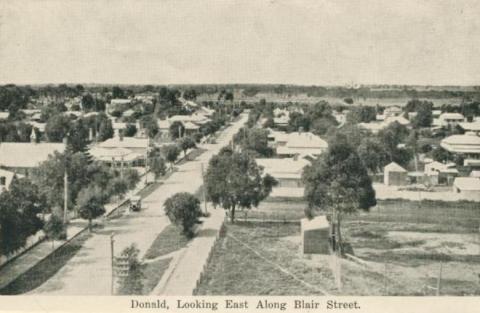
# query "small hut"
(315, 235)
(394, 175)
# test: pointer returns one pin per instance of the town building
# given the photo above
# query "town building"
(394, 175)
(288, 172)
(6, 178)
(392, 111)
(468, 188)
(471, 127)
(22, 157)
(439, 173)
(450, 119)
(289, 145)
(467, 145)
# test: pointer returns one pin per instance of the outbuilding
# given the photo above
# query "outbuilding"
(468, 188)
(394, 175)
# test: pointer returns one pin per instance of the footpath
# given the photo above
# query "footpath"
(19, 265)
(184, 273)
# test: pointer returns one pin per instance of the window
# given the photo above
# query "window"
(3, 181)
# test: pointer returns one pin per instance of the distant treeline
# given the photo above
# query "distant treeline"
(251, 90)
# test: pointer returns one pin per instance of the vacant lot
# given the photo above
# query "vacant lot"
(404, 246)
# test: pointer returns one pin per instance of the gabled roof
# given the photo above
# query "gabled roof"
(120, 101)
(394, 167)
(118, 154)
(475, 126)
(8, 176)
(26, 154)
(283, 168)
(126, 142)
(451, 116)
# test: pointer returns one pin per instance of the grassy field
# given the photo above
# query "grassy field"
(403, 244)
(169, 240)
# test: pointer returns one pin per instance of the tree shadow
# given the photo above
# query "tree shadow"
(46, 268)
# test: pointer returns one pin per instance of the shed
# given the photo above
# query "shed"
(315, 235)
(394, 175)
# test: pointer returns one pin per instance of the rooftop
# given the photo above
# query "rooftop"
(126, 142)
(26, 154)
(394, 167)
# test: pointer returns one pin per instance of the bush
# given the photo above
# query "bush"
(184, 209)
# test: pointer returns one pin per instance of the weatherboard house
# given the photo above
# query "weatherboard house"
(22, 157)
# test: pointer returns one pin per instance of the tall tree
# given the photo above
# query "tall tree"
(234, 180)
(338, 182)
(54, 229)
(171, 153)
(187, 143)
(90, 204)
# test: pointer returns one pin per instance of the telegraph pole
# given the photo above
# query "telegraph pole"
(204, 191)
(439, 280)
(112, 256)
(65, 185)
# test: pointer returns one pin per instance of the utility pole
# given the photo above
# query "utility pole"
(204, 191)
(439, 280)
(112, 257)
(385, 292)
(146, 160)
(65, 184)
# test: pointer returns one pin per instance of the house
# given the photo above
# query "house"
(21, 157)
(471, 127)
(436, 113)
(302, 144)
(6, 178)
(439, 173)
(315, 235)
(118, 104)
(450, 119)
(394, 175)
(282, 120)
(117, 157)
(412, 115)
(137, 145)
(4, 115)
(288, 172)
(392, 111)
(399, 119)
(467, 145)
(468, 188)
(277, 138)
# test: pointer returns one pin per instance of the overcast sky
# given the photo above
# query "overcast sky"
(298, 42)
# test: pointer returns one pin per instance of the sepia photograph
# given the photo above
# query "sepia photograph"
(296, 150)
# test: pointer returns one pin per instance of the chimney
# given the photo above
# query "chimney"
(90, 134)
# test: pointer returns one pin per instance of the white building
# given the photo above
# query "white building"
(300, 144)
(21, 157)
(288, 172)
(467, 145)
(450, 119)
(468, 188)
